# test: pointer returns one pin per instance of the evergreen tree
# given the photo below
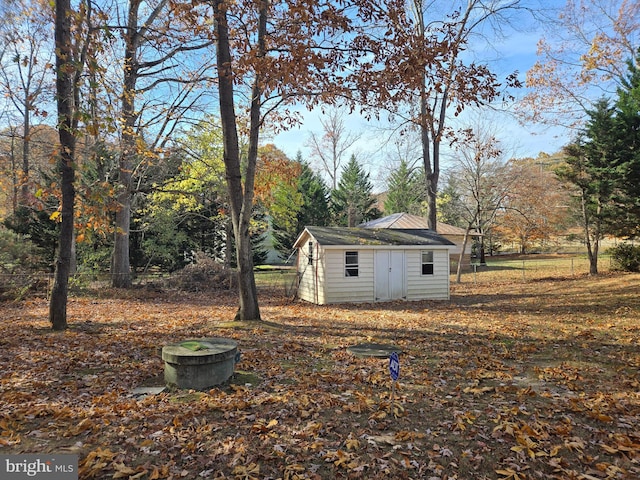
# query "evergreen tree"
(405, 191)
(258, 235)
(451, 208)
(291, 210)
(285, 210)
(315, 199)
(352, 202)
(592, 166)
(604, 166)
(626, 221)
(36, 226)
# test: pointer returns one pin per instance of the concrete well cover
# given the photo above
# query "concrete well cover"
(211, 350)
(200, 363)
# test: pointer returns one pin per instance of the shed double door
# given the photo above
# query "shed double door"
(389, 275)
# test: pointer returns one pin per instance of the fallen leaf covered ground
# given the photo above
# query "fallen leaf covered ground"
(505, 381)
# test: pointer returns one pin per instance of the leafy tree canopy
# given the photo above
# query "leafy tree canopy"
(604, 163)
(293, 209)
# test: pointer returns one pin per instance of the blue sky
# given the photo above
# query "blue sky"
(516, 51)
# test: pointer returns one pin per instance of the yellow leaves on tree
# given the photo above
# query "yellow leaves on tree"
(588, 45)
(274, 170)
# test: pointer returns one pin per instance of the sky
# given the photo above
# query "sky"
(516, 51)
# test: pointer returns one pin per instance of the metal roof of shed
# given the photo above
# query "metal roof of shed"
(408, 221)
(357, 236)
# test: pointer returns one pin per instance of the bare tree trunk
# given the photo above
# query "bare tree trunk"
(430, 138)
(464, 247)
(432, 194)
(241, 201)
(593, 258)
(59, 293)
(434, 102)
(14, 172)
(148, 34)
(482, 255)
(425, 138)
(229, 245)
(26, 152)
(120, 263)
(331, 146)
(592, 247)
(249, 309)
(66, 131)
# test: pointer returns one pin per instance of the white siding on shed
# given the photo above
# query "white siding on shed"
(305, 281)
(436, 286)
(324, 280)
(311, 275)
(339, 288)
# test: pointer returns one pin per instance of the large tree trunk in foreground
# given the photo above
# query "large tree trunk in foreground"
(66, 131)
(240, 200)
(120, 264)
(430, 141)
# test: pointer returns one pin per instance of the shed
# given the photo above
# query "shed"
(450, 232)
(340, 264)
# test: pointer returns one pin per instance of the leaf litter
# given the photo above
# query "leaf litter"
(505, 381)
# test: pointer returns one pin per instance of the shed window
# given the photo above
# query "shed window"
(310, 253)
(427, 263)
(351, 264)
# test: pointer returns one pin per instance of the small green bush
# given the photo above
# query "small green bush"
(42, 232)
(20, 262)
(626, 257)
(18, 253)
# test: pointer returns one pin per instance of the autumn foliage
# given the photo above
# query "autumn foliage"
(274, 169)
(506, 381)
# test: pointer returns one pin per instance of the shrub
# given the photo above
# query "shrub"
(626, 257)
(39, 229)
(20, 261)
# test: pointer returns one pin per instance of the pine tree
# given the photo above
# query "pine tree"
(315, 199)
(627, 219)
(293, 210)
(604, 166)
(592, 165)
(405, 191)
(352, 202)
(612, 150)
